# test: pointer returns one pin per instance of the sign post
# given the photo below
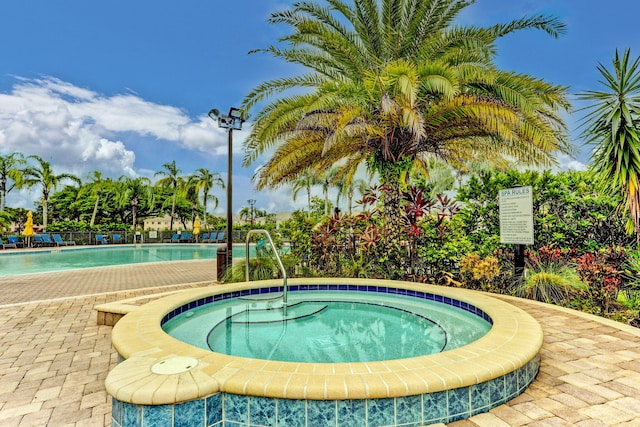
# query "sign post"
(516, 222)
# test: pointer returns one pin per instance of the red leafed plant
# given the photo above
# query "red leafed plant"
(602, 271)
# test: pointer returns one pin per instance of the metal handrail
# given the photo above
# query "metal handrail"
(275, 251)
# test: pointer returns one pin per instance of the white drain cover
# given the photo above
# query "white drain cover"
(174, 365)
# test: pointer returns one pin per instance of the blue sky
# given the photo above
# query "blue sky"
(125, 86)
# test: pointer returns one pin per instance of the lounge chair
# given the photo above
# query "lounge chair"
(204, 237)
(186, 238)
(37, 241)
(6, 245)
(46, 239)
(174, 239)
(100, 239)
(15, 240)
(220, 237)
(59, 242)
(115, 238)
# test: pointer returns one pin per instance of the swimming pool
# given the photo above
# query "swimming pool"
(59, 259)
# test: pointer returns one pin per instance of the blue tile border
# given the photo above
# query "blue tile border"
(330, 287)
(225, 409)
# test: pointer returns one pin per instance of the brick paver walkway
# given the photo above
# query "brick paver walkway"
(35, 287)
(54, 357)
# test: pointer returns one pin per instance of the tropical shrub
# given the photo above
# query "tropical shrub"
(479, 272)
(602, 271)
(549, 282)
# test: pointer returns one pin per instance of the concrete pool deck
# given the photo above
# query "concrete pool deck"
(54, 357)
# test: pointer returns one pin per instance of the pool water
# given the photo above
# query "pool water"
(29, 261)
(328, 327)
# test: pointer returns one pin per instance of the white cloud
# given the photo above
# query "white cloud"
(568, 163)
(205, 136)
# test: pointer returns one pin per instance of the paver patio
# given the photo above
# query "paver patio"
(54, 357)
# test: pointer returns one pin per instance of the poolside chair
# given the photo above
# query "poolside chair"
(59, 242)
(204, 237)
(37, 241)
(46, 240)
(15, 240)
(220, 237)
(6, 245)
(100, 239)
(174, 239)
(115, 238)
(41, 240)
(186, 238)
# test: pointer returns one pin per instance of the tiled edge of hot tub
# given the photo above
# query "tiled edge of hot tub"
(444, 387)
(415, 410)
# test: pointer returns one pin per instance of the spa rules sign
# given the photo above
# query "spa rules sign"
(516, 216)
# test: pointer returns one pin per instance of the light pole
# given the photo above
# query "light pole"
(231, 121)
(251, 203)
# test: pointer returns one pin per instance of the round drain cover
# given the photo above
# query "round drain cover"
(174, 365)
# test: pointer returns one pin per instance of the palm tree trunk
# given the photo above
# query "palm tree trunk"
(392, 244)
(45, 214)
(95, 211)
(3, 193)
(134, 211)
(173, 210)
(204, 206)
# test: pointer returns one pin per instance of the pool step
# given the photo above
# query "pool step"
(277, 314)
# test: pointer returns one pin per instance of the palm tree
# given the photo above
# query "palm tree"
(9, 170)
(392, 83)
(206, 181)
(96, 188)
(131, 192)
(325, 179)
(304, 181)
(171, 179)
(189, 189)
(249, 214)
(613, 127)
(42, 174)
(349, 189)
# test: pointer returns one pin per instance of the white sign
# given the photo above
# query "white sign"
(516, 216)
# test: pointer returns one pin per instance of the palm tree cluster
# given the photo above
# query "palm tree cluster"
(392, 84)
(105, 200)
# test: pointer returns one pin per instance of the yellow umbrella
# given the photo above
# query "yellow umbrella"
(28, 228)
(196, 226)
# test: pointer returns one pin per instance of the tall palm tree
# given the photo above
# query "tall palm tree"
(9, 169)
(394, 82)
(96, 188)
(42, 175)
(189, 189)
(612, 126)
(349, 190)
(326, 179)
(171, 179)
(206, 181)
(304, 181)
(131, 192)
